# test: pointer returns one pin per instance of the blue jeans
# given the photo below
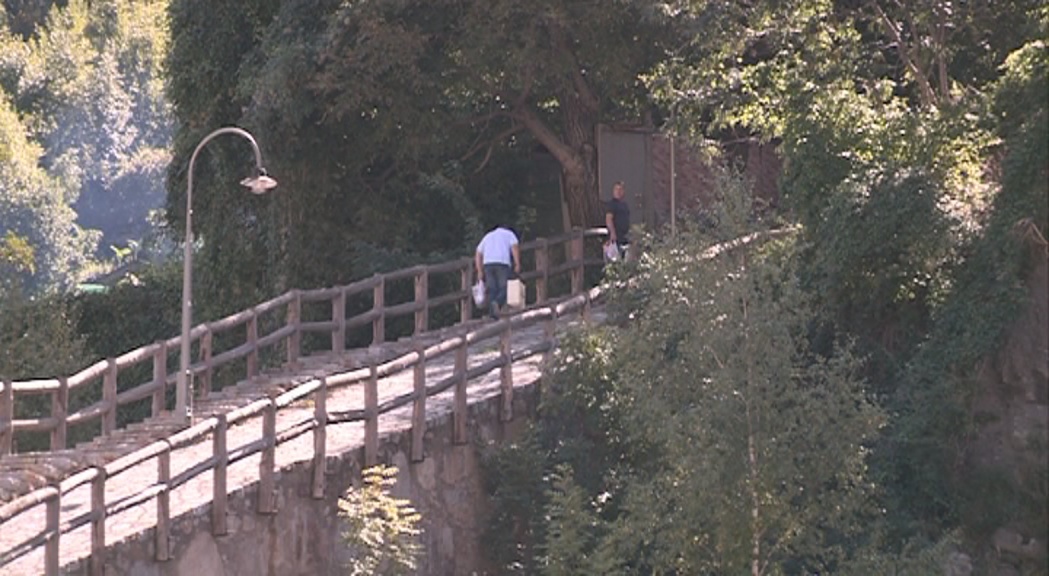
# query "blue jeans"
(495, 279)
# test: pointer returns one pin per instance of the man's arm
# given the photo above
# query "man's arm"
(516, 251)
(478, 264)
(610, 224)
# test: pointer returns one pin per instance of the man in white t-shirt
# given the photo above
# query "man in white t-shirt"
(496, 253)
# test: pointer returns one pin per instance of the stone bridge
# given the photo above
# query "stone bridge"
(250, 485)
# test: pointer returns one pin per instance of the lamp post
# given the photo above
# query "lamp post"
(257, 184)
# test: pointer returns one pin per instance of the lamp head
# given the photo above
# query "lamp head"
(260, 183)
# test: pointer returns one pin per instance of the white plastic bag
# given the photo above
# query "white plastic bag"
(611, 252)
(515, 293)
(479, 293)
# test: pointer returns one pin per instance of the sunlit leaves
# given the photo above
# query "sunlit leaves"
(86, 88)
(33, 207)
(381, 530)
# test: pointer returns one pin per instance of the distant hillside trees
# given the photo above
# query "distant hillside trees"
(84, 89)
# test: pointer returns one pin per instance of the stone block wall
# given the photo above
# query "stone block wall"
(303, 537)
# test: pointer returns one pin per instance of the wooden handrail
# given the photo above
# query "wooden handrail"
(288, 334)
(271, 437)
(107, 372)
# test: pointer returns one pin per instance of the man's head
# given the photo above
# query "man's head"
(618, 191)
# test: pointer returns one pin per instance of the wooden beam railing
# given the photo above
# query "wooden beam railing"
(270, 437)
(284, 315)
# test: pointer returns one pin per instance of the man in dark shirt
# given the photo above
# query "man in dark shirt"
(617, 219)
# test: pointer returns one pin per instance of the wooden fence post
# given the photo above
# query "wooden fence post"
(466, 304)
(506, 374)
(109, 398)
(294, 317)
(422, 300)
(266, 504)
(59, 411)
(371, 417)
(460, 408)
(320, 439)
(98, 523)
(253, 354)
(576, 256)
(379, 306)
(7, 417)
(338, 315)
(219, 494)
(419, 409)
(163, 542)
(160, 377)
(54, 535)
(542, 265)
(207, 348)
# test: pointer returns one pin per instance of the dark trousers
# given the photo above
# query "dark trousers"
(495, 279)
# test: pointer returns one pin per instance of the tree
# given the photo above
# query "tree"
(889, 124)
(23, 17)
(87, 88)
(359, 104)
(552, 70)
(705, 433)
(381, 530)
(762, 439)
(33, 207)
(110, 121)
(938, 421)
(38, 339)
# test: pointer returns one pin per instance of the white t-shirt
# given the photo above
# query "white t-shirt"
(495, 247)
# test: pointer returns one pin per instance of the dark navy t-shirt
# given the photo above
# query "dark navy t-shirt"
(620, 219)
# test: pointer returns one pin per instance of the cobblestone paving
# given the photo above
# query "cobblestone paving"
(197, 493)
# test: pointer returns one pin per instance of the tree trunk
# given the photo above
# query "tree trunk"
(580, 176)
(576, 150)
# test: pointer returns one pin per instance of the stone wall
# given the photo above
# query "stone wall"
(303, 536)
(1012, 440)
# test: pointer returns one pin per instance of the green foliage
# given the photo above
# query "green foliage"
(34, 208)
(132, 313)
(86, 98)
(381, 530)
(915, 558)
(764, 436)
(16, 255)
(514, 476)
(914, 138)
(22, 17)
(406, 124)
(878, 259)
(574, 530)
(38, 337)
(704, 434)
(988, 292)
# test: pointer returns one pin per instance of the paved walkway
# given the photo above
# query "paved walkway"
(197, 493)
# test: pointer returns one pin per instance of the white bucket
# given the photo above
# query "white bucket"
(515, 293)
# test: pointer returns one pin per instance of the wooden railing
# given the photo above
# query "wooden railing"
(269, 437)
(552, 258)
(50, 534)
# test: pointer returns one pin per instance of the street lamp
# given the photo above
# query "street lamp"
(257, 184)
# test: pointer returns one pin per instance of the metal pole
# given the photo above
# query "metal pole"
(183, 388)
